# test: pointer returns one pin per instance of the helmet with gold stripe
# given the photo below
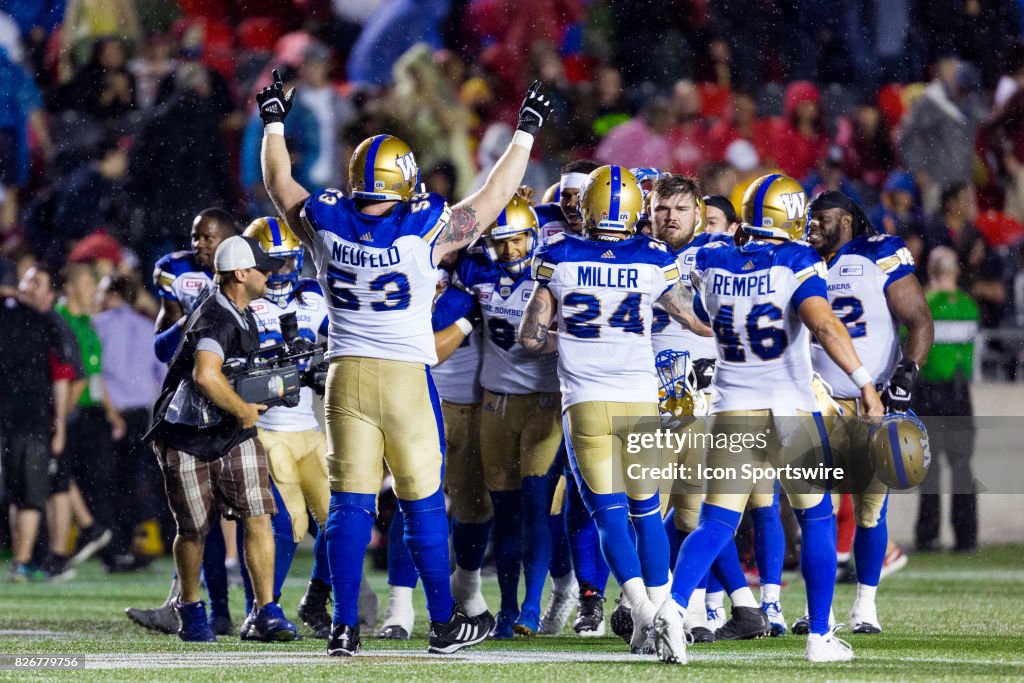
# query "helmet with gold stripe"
(775, 206)
(277, 239)
(898, 446)
(610, 201)
(383, 168)
(511, 239)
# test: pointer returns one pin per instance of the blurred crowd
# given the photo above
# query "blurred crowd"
(127, 117)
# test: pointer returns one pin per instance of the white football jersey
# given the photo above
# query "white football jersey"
(377, 274)
(604, 292)
(507, 367)
(310, 310)
(458, 378)
(858, 275)
(750, 296)
(179, 278)
(666, 333)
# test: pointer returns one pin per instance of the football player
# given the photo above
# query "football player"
(720, 215)
(763, 301)
(376, 252)
(562, 214)
(183, 279)
(872, 290)
(520, 428)
(599, 288)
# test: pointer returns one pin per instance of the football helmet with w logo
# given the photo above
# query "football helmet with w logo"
(383, 168)
(775, 206)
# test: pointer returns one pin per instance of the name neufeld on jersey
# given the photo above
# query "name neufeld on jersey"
(349, 255)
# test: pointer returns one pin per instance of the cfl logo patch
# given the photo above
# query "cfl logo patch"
(407, 165)
(795, 204)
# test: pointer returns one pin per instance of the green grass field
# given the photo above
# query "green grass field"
(945, 617)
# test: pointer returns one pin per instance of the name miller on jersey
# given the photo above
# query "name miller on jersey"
(350, 255)
(601, 276)
(749, 285)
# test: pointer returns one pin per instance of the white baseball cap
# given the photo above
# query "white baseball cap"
(240, 252)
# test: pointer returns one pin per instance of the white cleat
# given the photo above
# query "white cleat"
(596, 633)
(559, 609)
(864, 618)
(669, 637)
(716, 618)
(827, 648)
(775, 618)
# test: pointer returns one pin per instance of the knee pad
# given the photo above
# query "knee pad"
(821, 510)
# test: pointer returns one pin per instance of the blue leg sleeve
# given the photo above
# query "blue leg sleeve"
(818, 560)
(321, 567)
(536, 531)
(349, 525)
(716, 528)
(470, 543)
(652, 542)
(284, 542)
(507, 549)
(214, 572)
(769, 543)
(727, 569)
(401, 568)
(426, 534)
(869, 545)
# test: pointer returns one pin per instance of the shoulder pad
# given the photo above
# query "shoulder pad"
(554, 239)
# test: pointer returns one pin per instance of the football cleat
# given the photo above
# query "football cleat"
(622, 621)
(846, 572)
(559, 608)
(802, 626)
(699, 634)
(642, 641)
(92, 540)
(194, 626)
(221, 624)
(313, 609)
(716, 618)
(827, 648)
(163, 619)
(864, 618)
(746, 623)
(459, 632)
(669, 639)
(245, 632)
(527, 624)
(343, 641)
(393, 632)
(270, 625)
(777, 622)
(503, 627)
(590, 615)
(895, 560)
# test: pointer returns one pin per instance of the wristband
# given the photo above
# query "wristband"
(465, 326)
(275, 128)
(523, 139)
(861, 376)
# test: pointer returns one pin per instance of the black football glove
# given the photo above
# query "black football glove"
(896, 396)
(704, 368)
(474, 318)
(274, 104)
(536, 109)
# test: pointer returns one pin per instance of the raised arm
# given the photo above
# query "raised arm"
(816, 314)
(288, 196)
(474, 213)
(535, 331)
(678, 303)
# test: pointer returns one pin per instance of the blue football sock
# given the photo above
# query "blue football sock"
(507, 545)
(582, 535)
(769, 543)
(675, 536)
(714, 585)
(613, 532)
(470, 543)
(401, 568)
(349, 526)
(250, 595)
(321, 567)
(869, 546)
(716, 528)
(818, 561)
(652, 542)
(561, 554)
(536, 549)
(214, 572)
(426, 534)
(284, 542)
(727, 569)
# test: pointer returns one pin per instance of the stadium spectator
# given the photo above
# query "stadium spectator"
(899, 213)
(103, 88)
(866, 144)
(86, 21)
(331, 110)
(36, 20)
(641, 141)
(93, 196)
(944, 391)
(688, 137)
(801, 139)
(389, 33)
(133, 379)
(22, 111)
(742, 123)
(154, 62)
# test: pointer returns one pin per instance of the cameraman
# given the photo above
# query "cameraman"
(204, 435)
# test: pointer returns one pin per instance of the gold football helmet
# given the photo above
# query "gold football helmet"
(775, 206)
(898, 446)
(610, 200)
(517, 217)
(277, 239)
(383, 168)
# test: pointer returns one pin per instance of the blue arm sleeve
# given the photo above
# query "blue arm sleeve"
(166, 343)
(699, 310)
(453, 304)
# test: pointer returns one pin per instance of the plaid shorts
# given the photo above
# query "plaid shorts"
(237, 484)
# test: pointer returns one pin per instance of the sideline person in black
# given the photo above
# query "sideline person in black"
(204, 435)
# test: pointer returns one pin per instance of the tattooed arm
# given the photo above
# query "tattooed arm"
(678, 303)
(535, 331)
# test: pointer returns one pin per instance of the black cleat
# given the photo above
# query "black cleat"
(313, 609)
(459, 632)
(746, 623)
(622, 621)
(162, 619)
(343, 642)
(590, 613)
(702, 635)
(802, 626)
(846, 573)
(393, 632)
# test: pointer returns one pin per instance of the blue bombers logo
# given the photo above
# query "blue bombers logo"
(407, 165)
(795, 204)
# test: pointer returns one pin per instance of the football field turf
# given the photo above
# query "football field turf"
(945, 617)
